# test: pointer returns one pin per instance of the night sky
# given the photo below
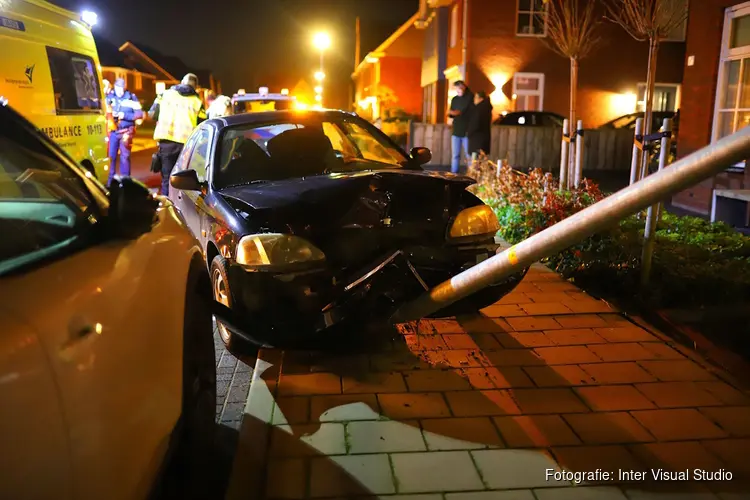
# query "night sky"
(251, 43)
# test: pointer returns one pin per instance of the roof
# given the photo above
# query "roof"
(109, 54)
(172, 66)
(388, 42)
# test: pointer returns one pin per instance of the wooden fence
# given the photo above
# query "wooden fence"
(532, 147)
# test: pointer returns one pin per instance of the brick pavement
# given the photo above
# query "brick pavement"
(232, 385)
(479, 408)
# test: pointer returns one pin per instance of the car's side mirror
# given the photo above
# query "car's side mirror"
(132, 208)
(186, 180)
(421, 155)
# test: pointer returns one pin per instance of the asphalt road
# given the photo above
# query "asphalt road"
(140, 168)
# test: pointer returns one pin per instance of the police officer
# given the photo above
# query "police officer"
(125, 110)
(177, 112)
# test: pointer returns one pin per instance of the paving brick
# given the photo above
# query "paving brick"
(662, 351)
(526, 287)
(509, 377)
(513, 357)
(384, 436)
(519, 340)
(567, 355)
(443, 471)
(435, 381)
(535, 401)
(486, 341)
(615, 319)
(669, 490)
(428, 496)
(614, 398)
(307, 440)
(455, 358)
(330, 362)
(286, 478)
(677, 371)
(346, 406)
(625, 333)
(588, 306)
(533, 323)
(544, 308)
(424, 342)
(413, 405)
(608, 428)
(294, 410)
(733, 452)
(492, 495)
(446, 326)
(677, 394)
(679, 455)
(581, 321)
(514, 298)
(353, 475)
(481, 324)
(591, 458)
(577, 336)
(309, 384)
(538, 431)
(503, 311)
(397, 361)
(546, 297)
(678, 425)
(618, 373)
(479, 378)
(374, 383)
(481, 403)
(459, 341)
(626, 351)
(733, 419)
(232, 412)
(558, 376)
(238, 393)
(515, 469)
(560, 286)
(725, 392)
(443, 434)
(580, 493)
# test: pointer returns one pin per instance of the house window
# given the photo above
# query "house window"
(666, 97)
(138, 81)
(454, 26)
(732, 107)
(679, 33)
(528, 91)
(428, 103)
(532, 18)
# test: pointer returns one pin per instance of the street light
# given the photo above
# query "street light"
(319, 76)
(321, 41)
(319, 89)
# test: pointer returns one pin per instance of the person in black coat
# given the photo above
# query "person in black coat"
(479, 129)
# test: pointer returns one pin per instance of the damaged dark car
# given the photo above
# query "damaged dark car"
(311, 219)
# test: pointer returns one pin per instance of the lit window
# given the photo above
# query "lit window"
(666, 97)
(532, 18)
(528, 91)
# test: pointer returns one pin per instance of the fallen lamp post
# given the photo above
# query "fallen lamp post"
(651, 190)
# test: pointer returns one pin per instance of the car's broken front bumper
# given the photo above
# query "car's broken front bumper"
(305, 302)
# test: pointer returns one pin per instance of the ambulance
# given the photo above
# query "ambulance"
(50, 73)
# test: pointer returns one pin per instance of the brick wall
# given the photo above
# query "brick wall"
(705, 26)
(402, 75)
(615, 67)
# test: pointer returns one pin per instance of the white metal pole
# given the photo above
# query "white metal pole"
(579, 154)
(638, 143)
(682, 174)
(564, 150)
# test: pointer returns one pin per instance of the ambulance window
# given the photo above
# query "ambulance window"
(75, 82)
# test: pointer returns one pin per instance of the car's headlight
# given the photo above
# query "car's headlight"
(473, 222)
(274, 249)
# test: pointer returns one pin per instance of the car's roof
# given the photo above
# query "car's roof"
(274, 116)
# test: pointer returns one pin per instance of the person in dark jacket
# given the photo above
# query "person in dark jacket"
(479, 128)
(126, 109)
(461, 106)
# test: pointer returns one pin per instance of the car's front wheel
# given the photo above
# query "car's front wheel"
(222, 294)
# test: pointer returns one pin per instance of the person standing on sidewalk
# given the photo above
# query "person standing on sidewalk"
(177, 112)
(479, 129)
(125, 110)
(461, 106)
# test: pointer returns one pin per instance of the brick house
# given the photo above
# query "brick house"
(500, 46)
(714, 104)
(168, 70)
(394, 67)
(114, 66)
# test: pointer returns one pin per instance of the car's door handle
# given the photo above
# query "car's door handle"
(179, 195)
(79, 335)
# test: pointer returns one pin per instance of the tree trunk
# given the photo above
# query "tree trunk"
(653, 51)
(570, 181)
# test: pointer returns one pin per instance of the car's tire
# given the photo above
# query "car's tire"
(222, 293)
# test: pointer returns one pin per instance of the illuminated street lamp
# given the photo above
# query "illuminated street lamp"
(319, 89)
(319, 76)
(318, 97)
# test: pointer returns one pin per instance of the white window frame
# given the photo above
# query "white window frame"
(728, 55)
(539, 92)
(454, 26)
(683, 36)
(532, 13)
(676, 86)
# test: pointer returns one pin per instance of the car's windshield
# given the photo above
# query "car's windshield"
(299, 148)
(44, 205)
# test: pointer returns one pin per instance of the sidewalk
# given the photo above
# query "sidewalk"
(488, 406)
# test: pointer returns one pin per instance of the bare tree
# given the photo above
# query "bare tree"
(571, 32)
(652, 21)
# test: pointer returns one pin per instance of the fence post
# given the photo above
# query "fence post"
(564, 158)
(499, 166)
(579, 154)
(638, 145)
(652, 216)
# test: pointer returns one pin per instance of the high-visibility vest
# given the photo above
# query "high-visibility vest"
(178, 116)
